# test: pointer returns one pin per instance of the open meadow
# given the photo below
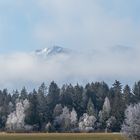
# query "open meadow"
(66, 136)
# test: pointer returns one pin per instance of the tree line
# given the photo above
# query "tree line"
(95, 107)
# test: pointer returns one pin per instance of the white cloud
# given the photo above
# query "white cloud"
(21, 69)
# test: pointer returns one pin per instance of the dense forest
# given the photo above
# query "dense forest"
(93, 107)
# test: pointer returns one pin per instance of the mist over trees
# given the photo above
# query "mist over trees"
(95, 107)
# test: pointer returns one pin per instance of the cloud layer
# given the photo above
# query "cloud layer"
(22, 69)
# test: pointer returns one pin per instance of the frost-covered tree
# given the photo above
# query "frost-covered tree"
(15, 121)
(66, 120)
(73, 118)
(90, 108)
(65, 117)
(63, 120)
(110, 123)
(49, 127)
(106, 108)
(105, 113)
(131, 126)
(57, 110)
(86, 123)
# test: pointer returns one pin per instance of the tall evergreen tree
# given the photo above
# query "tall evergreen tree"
(127, 95)
(67, 96)
(53, 95)
(118, 106)
(32, 114)
(52, 99)
(77, 100)
(136, 91)
(23, 94)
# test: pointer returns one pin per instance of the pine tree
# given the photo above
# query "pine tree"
(127, 95)
(52, 99)
(32, 114)
(136, 91)
(77, 99)
(23, 94)
(118, 105)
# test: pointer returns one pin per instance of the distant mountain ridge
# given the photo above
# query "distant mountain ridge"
(50, 52)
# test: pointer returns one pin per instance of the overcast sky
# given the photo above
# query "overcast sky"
(102, 25)
(26, 25)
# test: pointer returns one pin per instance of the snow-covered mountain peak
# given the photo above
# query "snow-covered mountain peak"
(55, 50)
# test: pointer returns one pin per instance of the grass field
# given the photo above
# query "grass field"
(76, 136)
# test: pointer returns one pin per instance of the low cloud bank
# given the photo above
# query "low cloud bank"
(17, 70)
